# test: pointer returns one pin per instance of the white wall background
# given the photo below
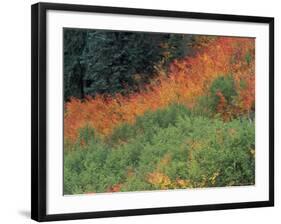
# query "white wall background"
(15, 110)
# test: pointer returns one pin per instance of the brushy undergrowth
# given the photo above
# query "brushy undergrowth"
(168, 148)
(225, 66)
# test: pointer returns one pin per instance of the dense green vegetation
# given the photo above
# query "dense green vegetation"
(168, 148)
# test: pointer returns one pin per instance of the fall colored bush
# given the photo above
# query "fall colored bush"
(186, 81)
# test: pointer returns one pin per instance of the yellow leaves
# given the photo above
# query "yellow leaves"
(163, 182)
(208, 180)
(213, 178)
(159, 180)
(194, 145)
(202, 183)
(232, 132)
(252, 152)
(180, 183)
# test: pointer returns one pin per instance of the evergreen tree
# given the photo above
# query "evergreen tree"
(108, 62)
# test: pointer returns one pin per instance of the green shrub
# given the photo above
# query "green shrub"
(248, 58)
(207, 104)
(224, 84)
(225, 157)
(202, 151)
(86, 135)
(148, 124)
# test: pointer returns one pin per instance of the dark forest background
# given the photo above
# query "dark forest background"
(109, 62)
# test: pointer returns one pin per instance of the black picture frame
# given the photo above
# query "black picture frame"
(39, 108)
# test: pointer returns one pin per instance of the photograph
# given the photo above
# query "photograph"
(140, 111)
(152, 111)
(134, 112)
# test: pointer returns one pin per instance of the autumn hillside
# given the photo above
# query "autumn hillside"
(191, 126)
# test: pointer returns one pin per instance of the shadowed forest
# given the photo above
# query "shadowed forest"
(157, 111)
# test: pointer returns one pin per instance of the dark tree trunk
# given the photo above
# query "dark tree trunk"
(81, 73)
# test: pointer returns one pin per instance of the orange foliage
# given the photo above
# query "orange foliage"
(115, 188)
(187, 79)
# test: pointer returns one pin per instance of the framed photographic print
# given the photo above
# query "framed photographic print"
(139, 111)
